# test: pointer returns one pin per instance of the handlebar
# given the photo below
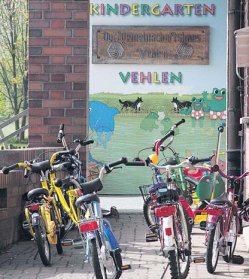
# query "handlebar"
(6, 170)
(136, 164)
(84, 142)
(194, 160)
(58, 155)
(61, 133)
(170, 133)
(121, 161)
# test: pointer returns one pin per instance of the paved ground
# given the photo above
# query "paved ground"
(130, 228)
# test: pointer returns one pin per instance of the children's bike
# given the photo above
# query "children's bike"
(222, 226)
(102, 248)
(43, 218)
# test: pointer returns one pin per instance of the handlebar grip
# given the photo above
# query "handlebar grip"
(136, 164)
(6, 170)
(86, 142)
(61, 133)
(123, 160)
(195, 160)
(221, 129)
(180, 122)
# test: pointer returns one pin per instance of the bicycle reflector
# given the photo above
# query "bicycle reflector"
(34, 207)
(88, 226)
(165, 211)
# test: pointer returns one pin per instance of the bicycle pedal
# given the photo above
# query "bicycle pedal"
(126, 267)
(203, 225)
(25, 225)
(67, 242)
(151, 237)
(187, 252)
(153, 227)
(199, 260)
(77, 243)
(236, 259)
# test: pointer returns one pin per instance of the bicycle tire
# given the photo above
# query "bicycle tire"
(101, 272)
(233, 230)
(148, 215)
(42, 243)
(213, 246)
(173, 265)
(183, 256)
(98, 267)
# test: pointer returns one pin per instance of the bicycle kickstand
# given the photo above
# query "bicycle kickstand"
(36, 254)
(164, 272)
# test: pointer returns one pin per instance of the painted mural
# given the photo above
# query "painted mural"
(133, 105)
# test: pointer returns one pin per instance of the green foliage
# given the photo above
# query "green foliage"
(4, 107)
(14, 54)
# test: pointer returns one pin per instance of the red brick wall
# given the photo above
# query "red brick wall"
(58, 70)
(16, 185)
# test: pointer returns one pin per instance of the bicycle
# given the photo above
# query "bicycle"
(41, 212)
(186, 184)
(102, 248)
(67, 189)
(222, 225)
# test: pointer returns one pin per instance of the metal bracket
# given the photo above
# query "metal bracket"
(244, 120)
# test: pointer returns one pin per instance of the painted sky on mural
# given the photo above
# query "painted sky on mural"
(196, 78)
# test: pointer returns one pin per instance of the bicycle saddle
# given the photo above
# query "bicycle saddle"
(42, 166)
(86, 199)
(91, 186)
(35, 193)
(170, 161)
(220, 200)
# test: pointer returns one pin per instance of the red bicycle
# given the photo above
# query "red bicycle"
(223, 219)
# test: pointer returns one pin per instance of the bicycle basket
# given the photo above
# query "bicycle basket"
(147, 190)
(144, 190)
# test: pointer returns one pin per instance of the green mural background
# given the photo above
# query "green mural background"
(125, 131)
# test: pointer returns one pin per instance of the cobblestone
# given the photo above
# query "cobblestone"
(18, 262)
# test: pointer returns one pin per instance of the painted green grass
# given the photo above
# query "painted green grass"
(151, 101)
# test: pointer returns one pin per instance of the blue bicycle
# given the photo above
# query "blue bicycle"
(102, 248)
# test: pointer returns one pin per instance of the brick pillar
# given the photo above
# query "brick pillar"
(58, 70)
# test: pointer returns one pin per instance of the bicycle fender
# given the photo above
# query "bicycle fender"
(90, 235)
(168, 234)
(109, 235)
(35, 219)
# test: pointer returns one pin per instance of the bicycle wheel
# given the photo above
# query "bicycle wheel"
(179, 259)
(191, 188)
(103, 261)
(96, 258)
(58, 230)
(42, 243)
(213, 247)
(149, 213)
(232, 238)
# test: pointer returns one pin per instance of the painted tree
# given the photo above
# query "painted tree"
(14, 55)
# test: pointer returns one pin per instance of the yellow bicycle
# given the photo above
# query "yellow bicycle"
(41, 212)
